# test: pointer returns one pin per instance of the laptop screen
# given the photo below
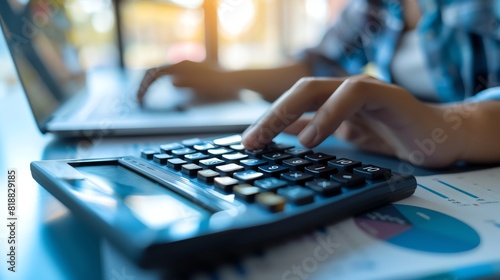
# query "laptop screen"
(47, 64)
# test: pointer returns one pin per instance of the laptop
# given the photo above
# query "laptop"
(69, 101)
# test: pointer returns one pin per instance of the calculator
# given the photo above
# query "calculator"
(199, 201)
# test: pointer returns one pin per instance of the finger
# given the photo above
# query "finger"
(153, 74)
(296, 127)
(305, 95)
(186, 81)
(356, 129)
(353, 95)
(150, 76)
(364, 134)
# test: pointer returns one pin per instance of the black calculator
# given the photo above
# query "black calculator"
(202, 200)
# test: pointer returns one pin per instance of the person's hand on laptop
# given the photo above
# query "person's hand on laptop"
(207, 82)
(214, 83)
(373, 115)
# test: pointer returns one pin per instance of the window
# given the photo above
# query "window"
(251, 33)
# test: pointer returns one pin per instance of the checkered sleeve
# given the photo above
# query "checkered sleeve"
(341, 51)
(486, 95)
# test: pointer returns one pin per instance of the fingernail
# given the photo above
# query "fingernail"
(307, 135)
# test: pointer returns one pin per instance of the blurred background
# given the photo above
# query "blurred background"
(138, 34)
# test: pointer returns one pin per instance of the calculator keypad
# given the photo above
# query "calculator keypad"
(297, 163)
(325, 187)
(191, 169)
(246, 192)
(271, 201)
(162, 158)
(175, 163)
(270, 184)
(273, 177)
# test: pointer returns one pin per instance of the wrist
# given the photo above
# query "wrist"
(233, 79)
(460, 126)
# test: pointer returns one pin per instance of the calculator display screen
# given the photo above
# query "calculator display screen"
(153, 204)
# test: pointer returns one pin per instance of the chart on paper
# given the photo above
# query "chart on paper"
(472, 190)
(451, 222)
(419, 229)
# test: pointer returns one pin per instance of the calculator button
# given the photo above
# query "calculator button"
(348, 180)
(324, 187)
(226, 141)
(225, 184)
(297, 195)
(296, 177)
(228, 169)
(321, 171)
(246, 192)
(175, 163)
(296, 163)
(237, 147)
(219, 151)
(271, 201)
(161, 158)
(255, 153)
(195, 158)
(191, 142)
(298, 152)
(182, 152)
(272, 169)
(247, 176)
(170, 147)
(233, 157)
(191, 169)
(372, 172)
(279, 147)
(148, 154)
(344, 164)
(320, 158)
(210, 163)
(270, 184)
(203, 146)
(207, 176)
(276, 157)
(252, 163)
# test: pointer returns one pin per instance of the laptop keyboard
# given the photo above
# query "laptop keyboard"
(273, 178)
(113, 106)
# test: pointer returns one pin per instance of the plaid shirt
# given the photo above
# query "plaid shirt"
(460, 40)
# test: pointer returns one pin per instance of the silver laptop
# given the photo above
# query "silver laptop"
(68, 101)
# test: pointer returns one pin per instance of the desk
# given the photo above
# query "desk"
(52, 243)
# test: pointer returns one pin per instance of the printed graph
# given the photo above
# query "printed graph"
(462, 191)
(419, 229)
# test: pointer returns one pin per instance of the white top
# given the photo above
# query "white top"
(409, 69)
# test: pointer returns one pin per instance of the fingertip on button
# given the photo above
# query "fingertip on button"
(308, 135)
(246, 137)
(252, 139)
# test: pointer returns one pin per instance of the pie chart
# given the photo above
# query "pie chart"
(419, 229)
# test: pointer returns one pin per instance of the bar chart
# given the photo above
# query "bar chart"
(461, 192)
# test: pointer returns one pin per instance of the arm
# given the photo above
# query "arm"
(481, 123)
(270, 83)
(382, 118)
(214, 83)
(338, 51)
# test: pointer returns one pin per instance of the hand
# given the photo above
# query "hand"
(373, 115)
(207, 82)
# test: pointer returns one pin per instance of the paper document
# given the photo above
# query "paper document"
(449, 229)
